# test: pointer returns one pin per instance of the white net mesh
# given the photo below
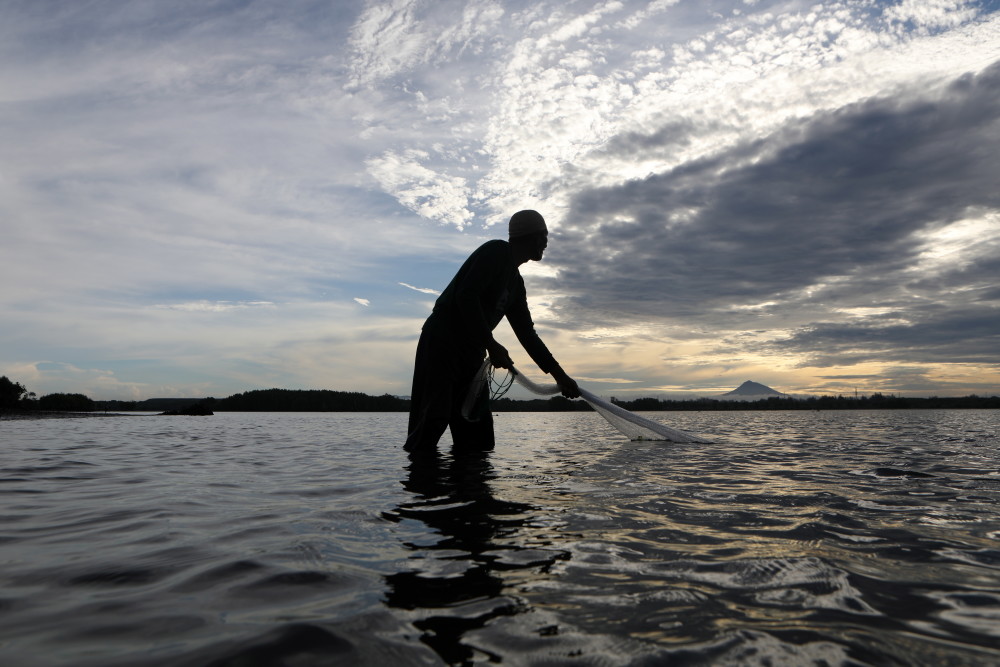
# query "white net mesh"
(630, 424)
(476, 389)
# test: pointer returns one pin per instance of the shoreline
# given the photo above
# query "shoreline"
(57, 414)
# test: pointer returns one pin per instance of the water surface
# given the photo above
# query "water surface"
(856, 538)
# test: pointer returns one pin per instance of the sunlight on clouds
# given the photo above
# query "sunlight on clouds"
(603, 380)
(568, 85)
(385, 39)
(651, 11)
(904, 379)
(754, 307)
(956, 245)
(560, 27)
(927, 15)
(944, 376)
(553, 106)
(752, 81)
(422, 190)
(642, 360)
(635, 361)
(389, 38)
(871, 314)
(740, 82)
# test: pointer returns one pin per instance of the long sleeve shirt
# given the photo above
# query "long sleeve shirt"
(487, 288)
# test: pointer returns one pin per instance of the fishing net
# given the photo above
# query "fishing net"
(475, 404)
(633, 426)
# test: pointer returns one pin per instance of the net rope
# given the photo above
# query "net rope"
(633, 426)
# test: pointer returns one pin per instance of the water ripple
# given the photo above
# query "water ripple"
(796, 538)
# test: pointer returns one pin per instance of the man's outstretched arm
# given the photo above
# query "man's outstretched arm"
(567, 385)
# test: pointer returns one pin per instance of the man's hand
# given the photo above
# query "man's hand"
(567, 385)
(499, 356)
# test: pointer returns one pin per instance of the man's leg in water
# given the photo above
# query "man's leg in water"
(471, 435)
(440, 385)
(430, 399)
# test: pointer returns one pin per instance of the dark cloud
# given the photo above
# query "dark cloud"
(672, 136)
(960, 335)
(836, 203)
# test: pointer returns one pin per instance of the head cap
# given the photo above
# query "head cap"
(526, 222)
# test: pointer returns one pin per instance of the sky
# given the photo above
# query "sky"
(205, 197)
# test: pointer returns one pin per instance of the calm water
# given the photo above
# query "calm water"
(855, 538)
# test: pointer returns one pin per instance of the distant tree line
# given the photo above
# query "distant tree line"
(301, 400)
(290, 400)
(871, 402)
(15, 397)
(315, 400)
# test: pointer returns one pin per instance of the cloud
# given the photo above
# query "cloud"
(939, 335)
(215, 306)
(47, 377)
(432, 195)
(363, 302)
(425, 290)
(191, 199)
(153, 351)
(881, 211)
(573, 94)
(927, 16)
(395, 38)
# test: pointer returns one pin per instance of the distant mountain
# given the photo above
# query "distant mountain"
(752, 391)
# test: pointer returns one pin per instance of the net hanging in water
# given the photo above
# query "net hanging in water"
(633, 426)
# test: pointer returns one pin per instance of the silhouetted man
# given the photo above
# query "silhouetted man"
(459, 332)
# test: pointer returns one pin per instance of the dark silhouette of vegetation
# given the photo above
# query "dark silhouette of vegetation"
(14, 397)
(153, 404)
(66, 403)
(196, 410)
(288, 400)
(12, 394)
(316, 400)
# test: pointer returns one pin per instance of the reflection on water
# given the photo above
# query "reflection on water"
(455, 584)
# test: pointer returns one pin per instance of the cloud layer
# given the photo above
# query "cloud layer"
(222, 196)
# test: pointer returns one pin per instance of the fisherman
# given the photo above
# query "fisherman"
(459, 333)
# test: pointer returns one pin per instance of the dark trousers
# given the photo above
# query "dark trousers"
(441, 380)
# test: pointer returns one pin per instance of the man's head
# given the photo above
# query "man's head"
(528, 234)
(527, 222)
